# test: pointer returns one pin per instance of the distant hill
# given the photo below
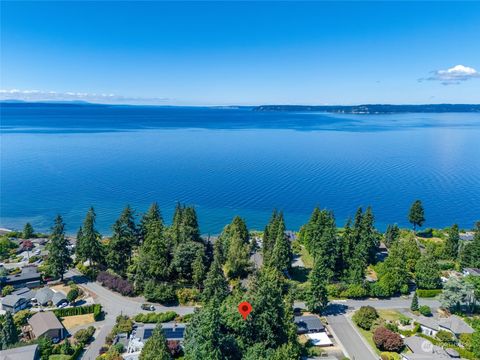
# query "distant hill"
(374, 108)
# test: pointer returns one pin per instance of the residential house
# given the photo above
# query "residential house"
(44, 296)
(13, 303)
(467, 236)
(30, 352)
(29, 277)
(25, 292)
(432, 325)
(59, 298)
(46, 324)
(172, 332)
(312, 327)
(422, 349)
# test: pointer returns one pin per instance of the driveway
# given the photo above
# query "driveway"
(351, 340)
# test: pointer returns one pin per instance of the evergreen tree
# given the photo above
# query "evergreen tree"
(28, 231)
(320, 238)
(152, 216)
(317, 299)
(369, 236)
(124, 238)
(281, 255)
(89, 246)
(215, 286)
(452, 243)
(184, 225)
(9, 331)
(269, 237)
(470, 254)
(154, 254)
(414, 305)
(199, 269)
(391, 235)
(416, 216)
(156, 346)
(204, 338)
(235, 244)
(59, 258)
(427, 273)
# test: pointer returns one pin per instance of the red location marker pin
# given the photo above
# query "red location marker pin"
(244, 308)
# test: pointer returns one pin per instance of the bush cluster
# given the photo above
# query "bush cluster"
(84, 336)
(115, 283)
(188, 296)
(425, 310)
(162, 293)
(153, 318)
(387, 340)
(365, 317)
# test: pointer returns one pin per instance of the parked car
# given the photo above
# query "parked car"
(148, 307)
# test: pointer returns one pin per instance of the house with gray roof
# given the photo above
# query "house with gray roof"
(308, 324)
(423, 349)
(30, 352)
(46, 324)
(471, 271)
(29, 277)
(13, 303)
(25, 292)
(431, 325)
(44, 295)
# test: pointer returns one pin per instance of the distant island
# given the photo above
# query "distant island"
(374, 108)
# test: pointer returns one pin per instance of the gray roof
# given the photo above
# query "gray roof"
(456, 325)
(172, 331)
(12, 300)
(309, 323)
(28, 273)
(20, 353)
(44, 295)
(424, 349)
(58, 298)
(42, 322)
(472, 271)
(25, 292)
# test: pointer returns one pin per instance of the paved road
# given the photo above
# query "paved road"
(92, 351)
(351, 340)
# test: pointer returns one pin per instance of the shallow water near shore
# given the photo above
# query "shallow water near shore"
(231, 162)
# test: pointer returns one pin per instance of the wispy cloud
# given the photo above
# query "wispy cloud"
(40, 95)
(453, 76)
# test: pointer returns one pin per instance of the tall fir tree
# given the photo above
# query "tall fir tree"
(317, 296)
(8, 331)
(154, 255)
(122, 242)
(235, 242)
(392, 234)
(270, 236)
(89, 246)
(59, 258)
(215, 287)
(199, 269)
(416, 215)
(156, 347)
(452, 243)
(28, 231)
(281, 257)
(414, 305)
(151, 216)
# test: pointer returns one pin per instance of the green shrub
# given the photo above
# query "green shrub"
(365, 317)
(187, 296)
(20, 318)
(123, 325)
(59, 357)
(84, 336)
(162, 293)
(404, 320)
(354, 291)
(334, 290)
(446, 337)
(391, 326)
(389, 356)
(425, 310)
(7, 290)
(153, 318)
(424, 293)
(466, 341)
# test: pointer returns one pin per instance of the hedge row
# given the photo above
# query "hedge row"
(152, 318)
(423, 293)
(95, 309)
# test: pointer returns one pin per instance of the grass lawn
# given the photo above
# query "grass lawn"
(387, 314)
(72, 321)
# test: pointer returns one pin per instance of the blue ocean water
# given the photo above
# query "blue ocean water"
(235, 161)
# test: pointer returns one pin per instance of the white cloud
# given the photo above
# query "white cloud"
(104, 98)
(454, 75)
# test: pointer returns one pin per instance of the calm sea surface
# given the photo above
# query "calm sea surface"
(231, 162)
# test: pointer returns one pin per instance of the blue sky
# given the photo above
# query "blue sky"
(241, 53)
